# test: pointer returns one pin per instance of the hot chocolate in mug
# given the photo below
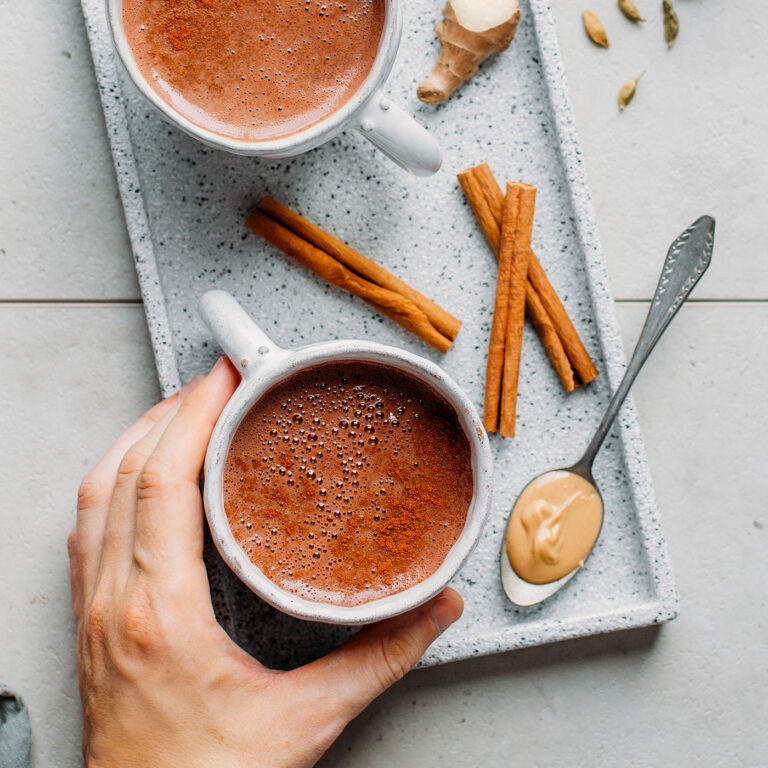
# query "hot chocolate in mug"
(365, 109)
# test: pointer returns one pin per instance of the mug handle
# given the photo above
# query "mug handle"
(243, 342)
(399, 136)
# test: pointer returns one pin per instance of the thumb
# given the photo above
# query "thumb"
(363, 668)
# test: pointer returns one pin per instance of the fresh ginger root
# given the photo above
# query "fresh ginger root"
(470, 32)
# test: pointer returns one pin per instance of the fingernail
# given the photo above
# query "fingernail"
(445, 611)
(221, 361)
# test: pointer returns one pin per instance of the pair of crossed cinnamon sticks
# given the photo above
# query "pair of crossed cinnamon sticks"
(341, 265)
(522, 284)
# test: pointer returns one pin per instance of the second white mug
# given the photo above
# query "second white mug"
(368, 111)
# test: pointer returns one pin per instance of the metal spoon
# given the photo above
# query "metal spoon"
(687, 260)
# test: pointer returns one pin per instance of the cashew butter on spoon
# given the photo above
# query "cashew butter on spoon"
(557, 518)
(555, 523)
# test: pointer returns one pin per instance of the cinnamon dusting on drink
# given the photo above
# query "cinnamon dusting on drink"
(252, 70)
(348, 482)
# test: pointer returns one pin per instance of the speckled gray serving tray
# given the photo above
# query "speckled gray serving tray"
(185, 207)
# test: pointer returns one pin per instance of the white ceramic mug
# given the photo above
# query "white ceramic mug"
(369, 111)
(263, 364)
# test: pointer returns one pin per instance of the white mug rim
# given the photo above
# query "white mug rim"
(283, 146)
(284, 363)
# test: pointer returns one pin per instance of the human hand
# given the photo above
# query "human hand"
(162, 684)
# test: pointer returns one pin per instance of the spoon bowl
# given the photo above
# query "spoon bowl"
(525, 593)
(522, 592)
(687, 260)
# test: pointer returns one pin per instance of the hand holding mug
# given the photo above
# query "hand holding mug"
(161, 682)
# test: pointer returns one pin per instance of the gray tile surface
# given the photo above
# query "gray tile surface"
(77, 375)
(691, 142)
(62, 233)
(691, 694)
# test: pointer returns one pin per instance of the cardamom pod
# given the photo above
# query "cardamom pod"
(627, 92)
(671, 23)
(595, 29)
(630, 11)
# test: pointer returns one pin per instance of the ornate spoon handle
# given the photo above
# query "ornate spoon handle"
(687, 260)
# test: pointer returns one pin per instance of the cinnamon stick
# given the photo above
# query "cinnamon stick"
(485, 198)
(394, 305)
(516, 229)
(487, 217)
(495, 365)
(490, 189)
(549, 338)
(580, 360)
(443, 321)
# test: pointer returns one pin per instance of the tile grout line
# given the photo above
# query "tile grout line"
(137, 301)
(46, 301)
